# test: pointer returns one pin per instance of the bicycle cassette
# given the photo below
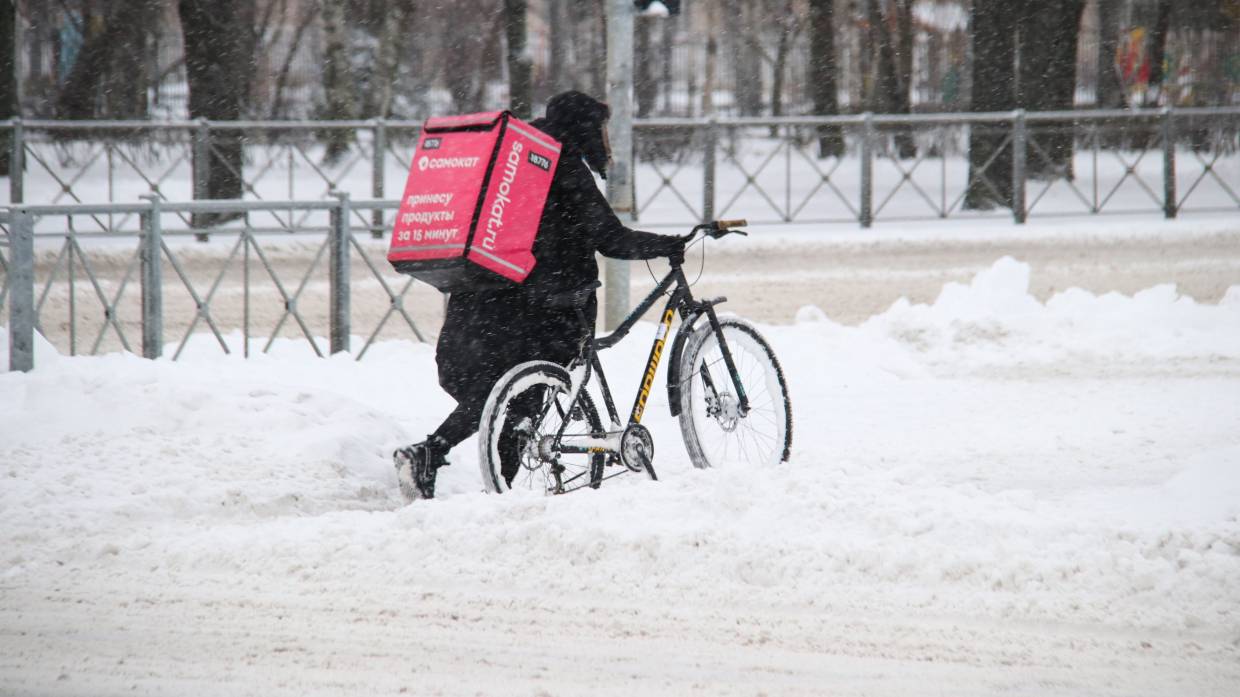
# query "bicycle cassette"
(636, 447)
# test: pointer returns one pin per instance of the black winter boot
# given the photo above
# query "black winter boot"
(416, 466)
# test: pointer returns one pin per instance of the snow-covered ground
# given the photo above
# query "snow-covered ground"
(989, 493)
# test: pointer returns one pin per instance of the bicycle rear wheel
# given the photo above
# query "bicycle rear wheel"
(524, 411)
(717, 431)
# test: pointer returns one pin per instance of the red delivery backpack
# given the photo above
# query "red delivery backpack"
(473, 201)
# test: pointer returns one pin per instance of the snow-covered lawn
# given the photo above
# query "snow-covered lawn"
(988, 494)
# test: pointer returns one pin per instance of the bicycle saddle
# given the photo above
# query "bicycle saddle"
(573, 298)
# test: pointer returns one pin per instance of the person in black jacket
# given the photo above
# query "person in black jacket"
(487, 332)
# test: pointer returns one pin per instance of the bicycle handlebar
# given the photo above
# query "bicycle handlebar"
(718, 228)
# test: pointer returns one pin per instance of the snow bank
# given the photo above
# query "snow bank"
(983, 456)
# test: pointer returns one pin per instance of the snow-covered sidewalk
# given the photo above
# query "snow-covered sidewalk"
(987, 494)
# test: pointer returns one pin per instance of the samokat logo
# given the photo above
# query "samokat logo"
(432, 143)
(507, 177)
(425, 163)
(540, 161)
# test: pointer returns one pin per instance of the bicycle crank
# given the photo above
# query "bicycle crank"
(636, 448)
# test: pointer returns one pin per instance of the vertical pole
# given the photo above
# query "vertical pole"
(202, 151)
(21, 291)
(620, 177)
(338, 273)
(376, 176)
(1168, 145)
(17, 163)
(202, 170)
(1019, 149)
(867, 171)
(152, 281)
(708, 169)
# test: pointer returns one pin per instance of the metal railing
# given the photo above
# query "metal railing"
(1157, 161)
(56, 285)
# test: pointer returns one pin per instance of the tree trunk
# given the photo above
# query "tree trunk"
(340, 102)
(1047, 82)
(107, 79)
(216, 66)
(822, 74)
(891, 93)
(711, 69)
(782, 48)
(992, 31)
(645, 86)
(665, 61)
(277, 97)
(392, 37)
(906, 144)
(746, 59)
(8, 77)
(559, 35)
(520, 65)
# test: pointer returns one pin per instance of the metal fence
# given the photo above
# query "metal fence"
(1163, 161)
(93, 271)
(149, 289)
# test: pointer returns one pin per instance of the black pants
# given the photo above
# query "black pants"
(476, 361)
(465, 418)
(463, 421)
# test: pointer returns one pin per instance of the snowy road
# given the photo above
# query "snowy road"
(1003, 490)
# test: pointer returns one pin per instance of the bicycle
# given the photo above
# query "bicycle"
(540, 428)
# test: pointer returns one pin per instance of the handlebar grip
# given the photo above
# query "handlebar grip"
(729, 224)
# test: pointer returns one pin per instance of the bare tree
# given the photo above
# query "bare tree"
(711, 68)
(520, 64)
(789, 24)
(471, 54)
(645, 84)
(218, 61)
(560, 39)
(309, 14)
(1048, 32)
(746, 57)
(338, 85)
(108, 78)
(822, 74)
(391, 39)
(8, 76)
(891, 89)
(993, 33)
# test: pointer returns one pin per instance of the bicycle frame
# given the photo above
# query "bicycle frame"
(680, 301)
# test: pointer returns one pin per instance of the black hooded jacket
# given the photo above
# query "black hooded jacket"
(487, 332)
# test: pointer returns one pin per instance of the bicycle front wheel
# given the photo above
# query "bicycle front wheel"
(718, 430)
(522, 416)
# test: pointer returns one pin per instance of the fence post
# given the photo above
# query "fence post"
(708, 169)
(867, 170)
(152, 280)
(202, 173)
(1168, 145)
(1019, 151)
(17, 162)
(202, 151)
(376, 176)
(21, 291)
(338, 273)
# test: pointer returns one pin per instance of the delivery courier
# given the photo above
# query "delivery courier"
(488, 330)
